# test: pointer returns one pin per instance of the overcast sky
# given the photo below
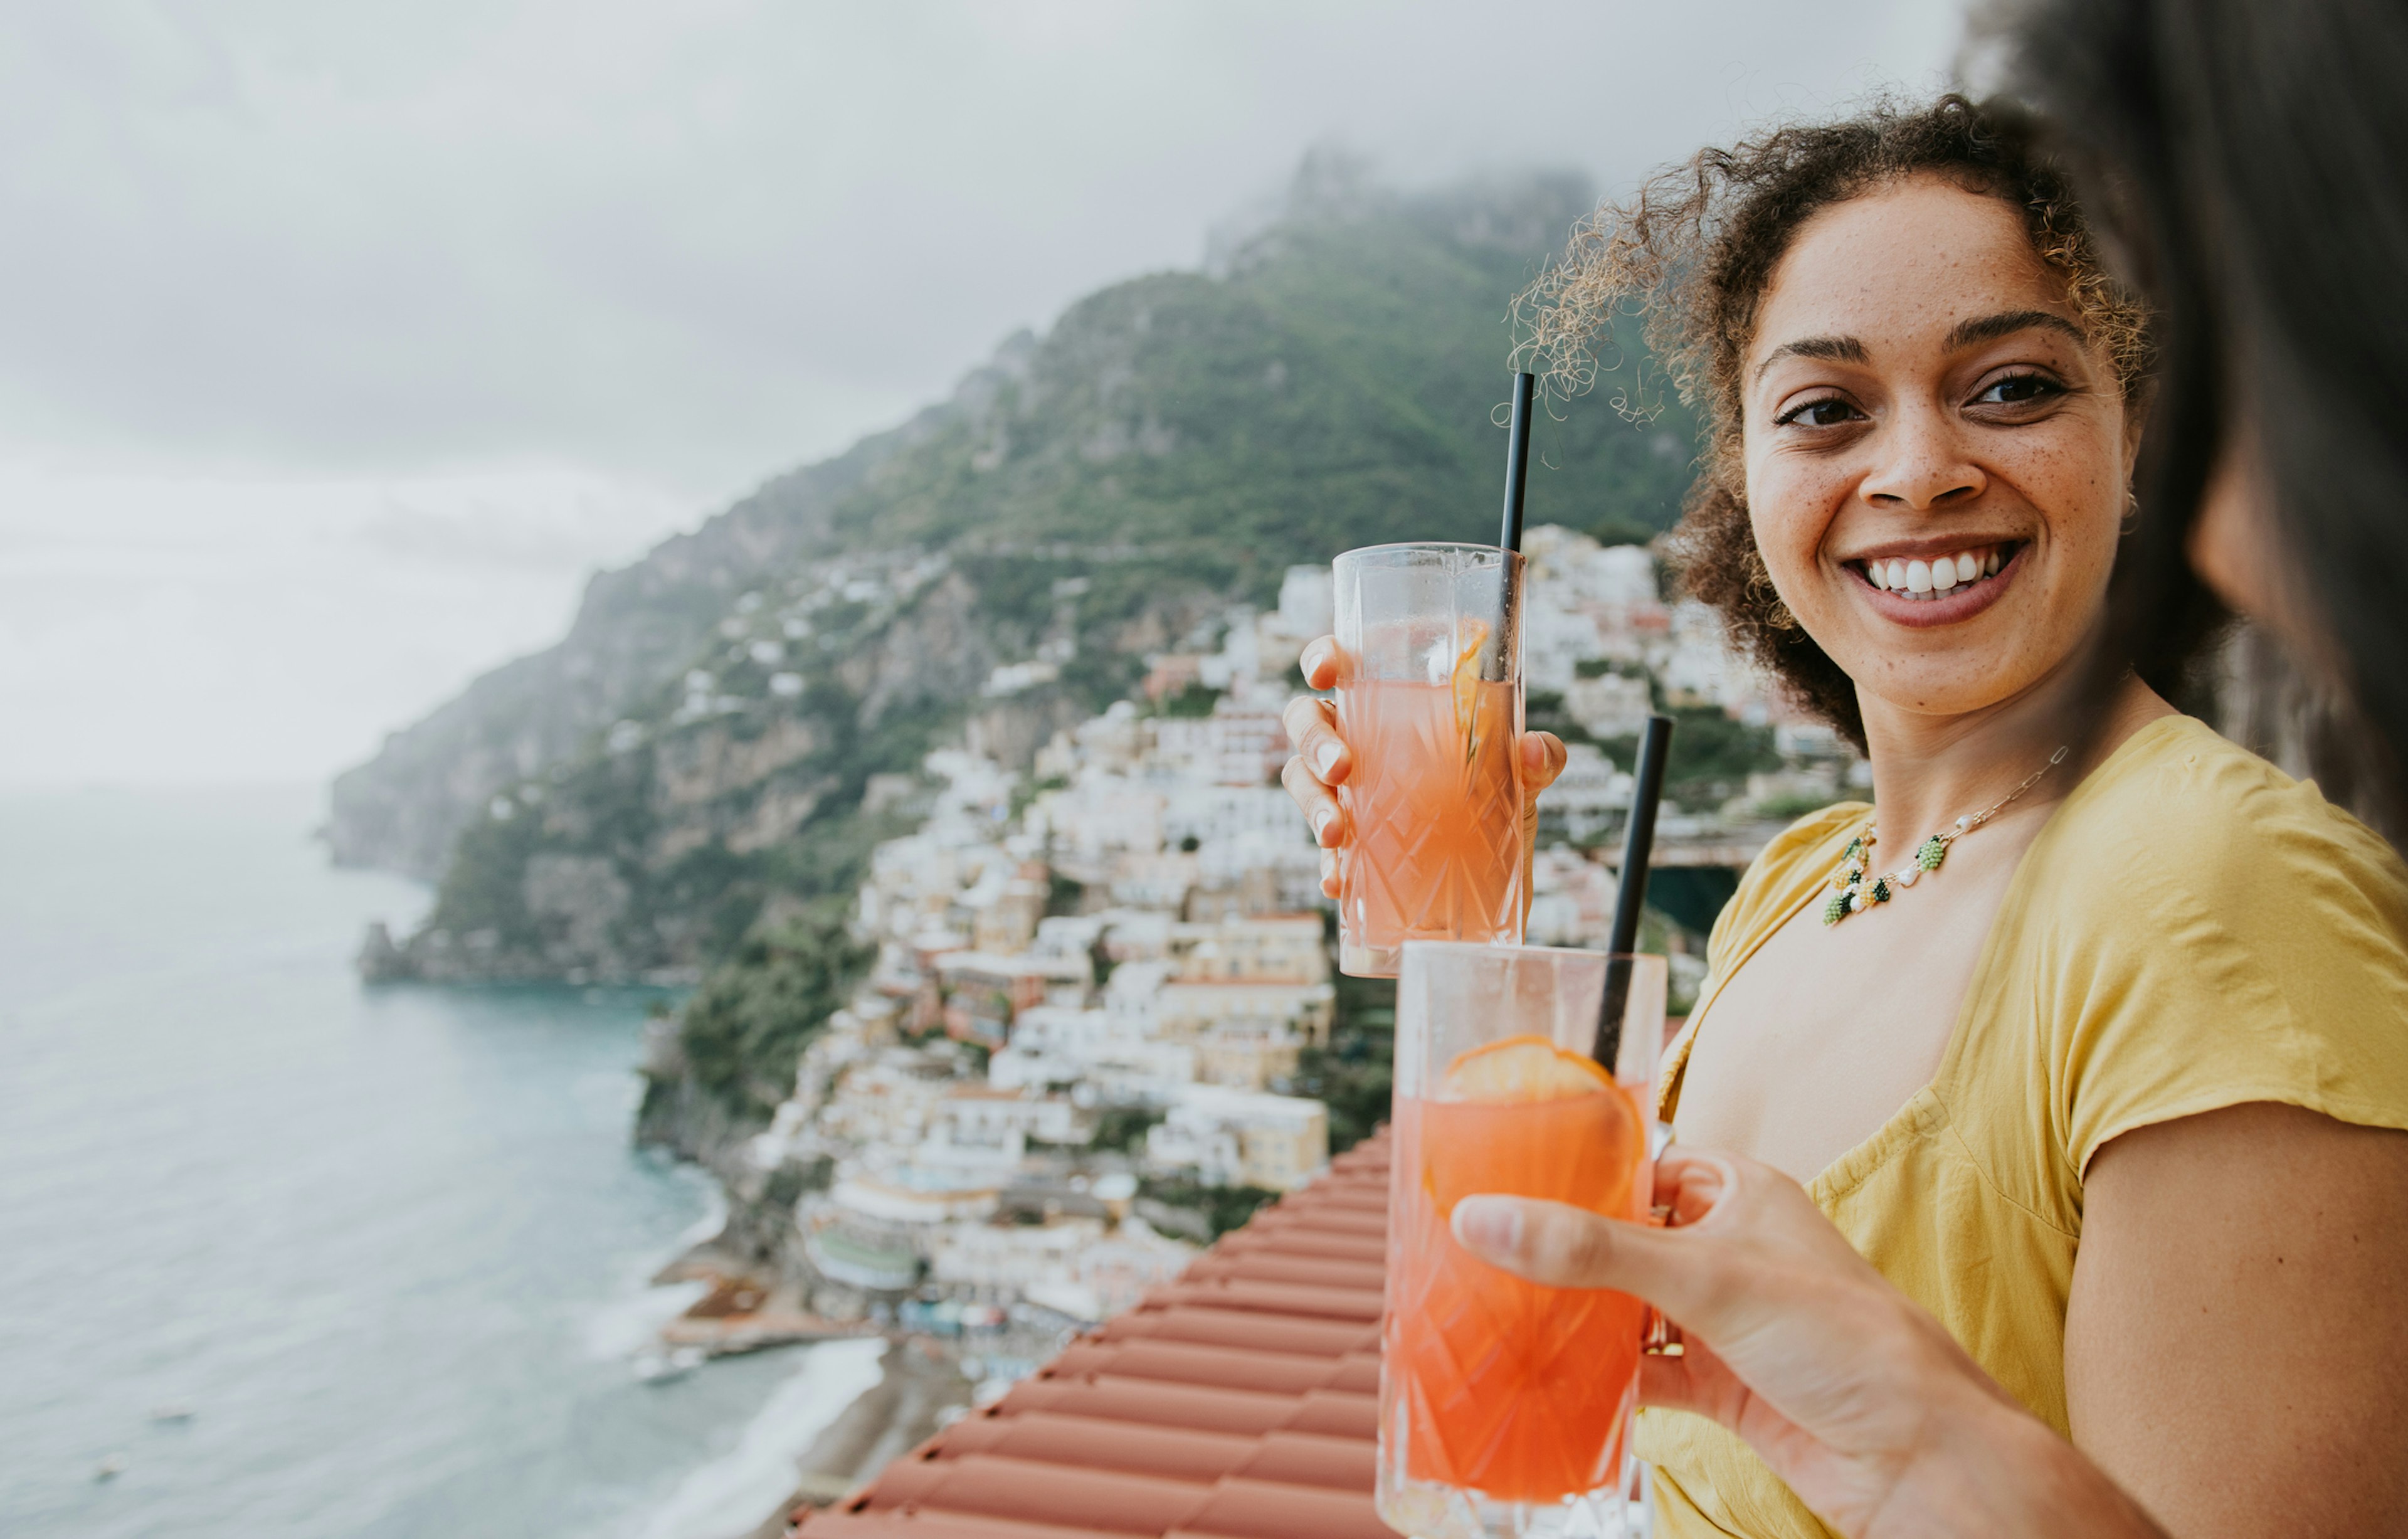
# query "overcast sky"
(338, 342)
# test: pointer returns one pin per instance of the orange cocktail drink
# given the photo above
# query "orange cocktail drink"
(1429, 701)
(1500, 1396)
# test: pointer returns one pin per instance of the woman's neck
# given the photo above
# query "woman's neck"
(1929, 771)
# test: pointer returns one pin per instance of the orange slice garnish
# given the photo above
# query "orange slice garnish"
(1520, 1070)
(1467, 678)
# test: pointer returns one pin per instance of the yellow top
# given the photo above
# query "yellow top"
(2192, 930)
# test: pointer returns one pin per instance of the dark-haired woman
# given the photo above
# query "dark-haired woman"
(2086, 1034)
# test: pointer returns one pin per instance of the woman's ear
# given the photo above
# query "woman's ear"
(2237, 549)
(2232, 543)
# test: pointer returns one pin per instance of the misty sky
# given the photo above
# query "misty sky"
(338, 343)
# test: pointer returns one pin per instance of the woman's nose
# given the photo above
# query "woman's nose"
(1921, 464)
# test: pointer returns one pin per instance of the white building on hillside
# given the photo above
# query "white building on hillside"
(986, 1117)
(1241, 1138)
(1588, 798)
(1307, 606)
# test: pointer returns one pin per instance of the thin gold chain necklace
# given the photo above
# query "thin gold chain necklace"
(1853, 891)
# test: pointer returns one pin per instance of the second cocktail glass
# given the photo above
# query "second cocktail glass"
(1505, 1406)
(1429, 701)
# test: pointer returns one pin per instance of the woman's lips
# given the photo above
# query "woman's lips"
(1912, 598)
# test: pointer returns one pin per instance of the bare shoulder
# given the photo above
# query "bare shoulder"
(2234, 1352)
(2266, 1143)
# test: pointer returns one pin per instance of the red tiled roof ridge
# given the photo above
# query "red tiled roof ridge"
(1239, 1401)
(1297, 1240)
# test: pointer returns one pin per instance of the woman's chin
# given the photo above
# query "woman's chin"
(1941, 700)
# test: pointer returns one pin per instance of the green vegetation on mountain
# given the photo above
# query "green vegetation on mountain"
(1336, 389)
(1355, 1074)
(1222, 1208)
(737, 720)
(1712, 754)
(745, 1029)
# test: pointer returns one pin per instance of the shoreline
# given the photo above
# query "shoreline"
(919, 1380)
(747, 1309)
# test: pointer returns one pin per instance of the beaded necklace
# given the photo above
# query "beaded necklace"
(1853, 892)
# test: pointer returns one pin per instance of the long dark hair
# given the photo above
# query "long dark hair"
(2247, 165)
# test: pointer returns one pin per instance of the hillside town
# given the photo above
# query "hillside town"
(1096, 982)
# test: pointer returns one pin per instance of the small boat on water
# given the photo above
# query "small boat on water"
(108, 1469)
(657, 1367)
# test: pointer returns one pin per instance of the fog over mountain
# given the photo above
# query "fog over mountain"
(342, 343)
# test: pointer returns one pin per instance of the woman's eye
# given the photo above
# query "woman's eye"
(2018, 390)
(1830, 412)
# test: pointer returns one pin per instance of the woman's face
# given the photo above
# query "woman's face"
(1936, 454)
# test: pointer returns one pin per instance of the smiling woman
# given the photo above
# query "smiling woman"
(2109, 1079)
(2049, 1094)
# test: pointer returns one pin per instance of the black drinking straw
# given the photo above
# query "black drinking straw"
(1518, 462)
(1630, 893)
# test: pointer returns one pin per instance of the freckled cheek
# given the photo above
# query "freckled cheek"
(1791, 513)
(2078, 489)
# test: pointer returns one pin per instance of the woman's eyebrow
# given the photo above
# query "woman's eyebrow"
(1965, 334)
(1836, 350)
(1989, 328)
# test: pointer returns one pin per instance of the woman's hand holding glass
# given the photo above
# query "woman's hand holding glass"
(1323, 761)
(1897, 1434)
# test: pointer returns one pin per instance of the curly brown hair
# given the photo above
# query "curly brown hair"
(1691, 255)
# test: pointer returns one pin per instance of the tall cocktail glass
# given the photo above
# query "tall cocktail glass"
(1429, 700)
(1504, 1405)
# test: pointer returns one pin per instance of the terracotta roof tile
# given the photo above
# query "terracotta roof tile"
(1339, 1303)
(1311, 1459)
(1239, 1400)
(1237, 1327)
(1299, 1241)
(1270, 1267)
(1264, 1509)
(933, 1525)
(1034, 1490)
(1328, 1220)
(1249, 1412)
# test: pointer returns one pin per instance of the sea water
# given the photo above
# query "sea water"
(284, 1255)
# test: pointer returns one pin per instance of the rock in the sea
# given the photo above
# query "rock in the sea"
(379, 960)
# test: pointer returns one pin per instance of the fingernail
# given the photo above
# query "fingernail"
(1321, 824)
(1489, 1225)
(1326, 756)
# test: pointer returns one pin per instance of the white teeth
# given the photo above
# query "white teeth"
(1930, 579)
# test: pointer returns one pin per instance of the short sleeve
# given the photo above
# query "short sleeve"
(2231, 937)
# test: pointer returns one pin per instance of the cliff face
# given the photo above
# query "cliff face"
(634, 632)
(733, 722)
